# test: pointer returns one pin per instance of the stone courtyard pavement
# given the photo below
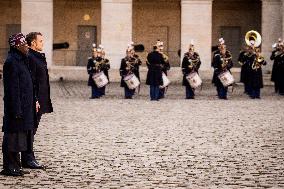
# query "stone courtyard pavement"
(173, 143)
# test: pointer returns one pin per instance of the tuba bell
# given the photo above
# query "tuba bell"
(253, 36)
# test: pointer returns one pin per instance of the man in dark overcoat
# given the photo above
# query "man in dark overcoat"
(19, 106)
(39, 71)
(155, 62)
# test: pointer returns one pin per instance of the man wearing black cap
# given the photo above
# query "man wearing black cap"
(39, 71)
(19, 106)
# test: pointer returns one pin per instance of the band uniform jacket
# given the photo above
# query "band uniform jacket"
(245, 64)
(275, 68)
(255, 79)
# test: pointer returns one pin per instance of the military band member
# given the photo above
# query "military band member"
(278, 68)
(244, 75)
(280, 77)
(190, 63)
(165, 68)
(96, 64)
(255, 61)
(155, 62)
(129, 65)
(222, 61)
(276, 57)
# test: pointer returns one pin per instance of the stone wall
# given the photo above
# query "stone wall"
(246, 14)
(159, 19)
(240, 15)
(68, 15)
(10, 14)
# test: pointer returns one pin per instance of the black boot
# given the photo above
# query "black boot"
(10, 164)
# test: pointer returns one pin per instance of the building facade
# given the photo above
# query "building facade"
(115, 23)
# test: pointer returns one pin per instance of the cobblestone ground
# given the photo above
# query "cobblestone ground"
(173, 143)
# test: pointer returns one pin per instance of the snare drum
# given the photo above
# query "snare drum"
(166, 80)
(194, 80)
(131, 81)
(100, 79)
(226, 78)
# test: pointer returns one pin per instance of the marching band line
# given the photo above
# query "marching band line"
(250, 59)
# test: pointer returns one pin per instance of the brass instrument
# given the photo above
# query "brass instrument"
(256, 37)
(258, 61)
(225, 61)
(100, 64)
(223, 53)
(253, 36)
(166, 58)
(279, 53)
(193, 61)
(278, 47)
(131, 62)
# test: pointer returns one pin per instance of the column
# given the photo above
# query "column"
(271, 26)
(196, 25)
(116, 30)
(37, 16)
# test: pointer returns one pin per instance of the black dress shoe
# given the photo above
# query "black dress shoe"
(33, 165)
(96, 97)
(24, 171)
(13, 172)
(189, 97)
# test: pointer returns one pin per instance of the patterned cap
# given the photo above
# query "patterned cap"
(16, 40)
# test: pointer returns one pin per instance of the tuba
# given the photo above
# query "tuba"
(257, 63)
(256, 38)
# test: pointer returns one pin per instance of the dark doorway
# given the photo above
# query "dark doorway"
(232, 36)
(86, 38)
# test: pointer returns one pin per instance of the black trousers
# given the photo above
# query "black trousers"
(13, 143)
(29, 155)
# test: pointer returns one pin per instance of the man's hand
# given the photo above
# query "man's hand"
(37, 106)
